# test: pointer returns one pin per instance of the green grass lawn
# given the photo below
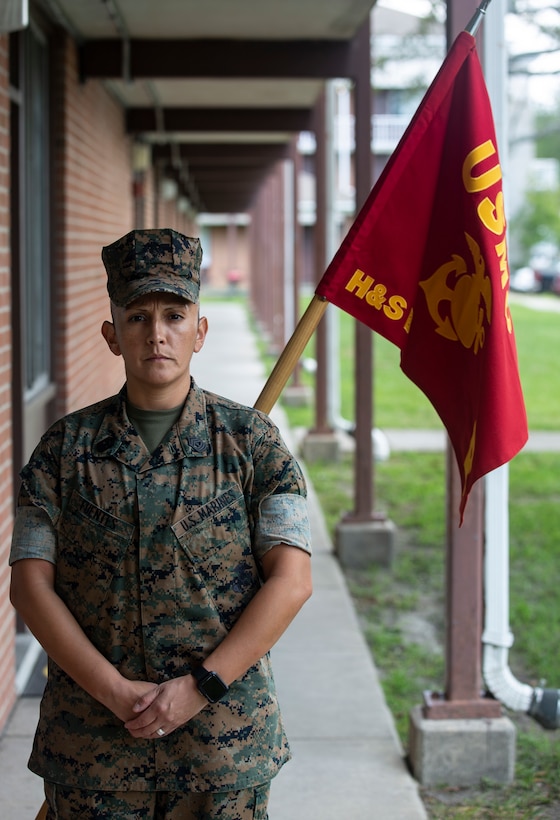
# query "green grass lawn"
(411, 488)
(398, 403)
(538, 347)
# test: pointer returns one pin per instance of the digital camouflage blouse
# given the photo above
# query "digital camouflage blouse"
(157, 556)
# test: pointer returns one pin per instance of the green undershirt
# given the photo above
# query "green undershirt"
(153, 425)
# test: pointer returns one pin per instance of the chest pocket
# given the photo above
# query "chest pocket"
(92, 545)
(215, 539)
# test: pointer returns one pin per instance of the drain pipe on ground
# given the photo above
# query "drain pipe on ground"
(380, 447)
(541, 704)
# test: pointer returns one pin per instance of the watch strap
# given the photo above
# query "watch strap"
(209, 684)
(200, 673)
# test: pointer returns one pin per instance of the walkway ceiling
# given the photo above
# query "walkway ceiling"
(218, 88)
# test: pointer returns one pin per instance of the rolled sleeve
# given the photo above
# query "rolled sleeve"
(34, 536)
(283, 519)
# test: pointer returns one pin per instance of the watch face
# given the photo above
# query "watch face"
(213, 687)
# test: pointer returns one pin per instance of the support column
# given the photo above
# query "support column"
(363, 536)
(321, 443)
(296, 393)
(463, 696)
(459, 736)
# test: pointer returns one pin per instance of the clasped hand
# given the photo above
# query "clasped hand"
(164, 707)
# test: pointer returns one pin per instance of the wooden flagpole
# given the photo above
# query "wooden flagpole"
(42, 812)
(290, 356)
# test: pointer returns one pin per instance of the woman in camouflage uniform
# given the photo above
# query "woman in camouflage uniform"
(161, 547)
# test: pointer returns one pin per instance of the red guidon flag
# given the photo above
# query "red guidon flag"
(425, 265)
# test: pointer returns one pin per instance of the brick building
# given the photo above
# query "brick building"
(87, 153)
(66, 189)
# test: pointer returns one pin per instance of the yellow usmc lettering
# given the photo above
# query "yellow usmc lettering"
(473, 184)
(491, 214)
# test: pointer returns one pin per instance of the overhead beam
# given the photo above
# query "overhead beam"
(220, 173)
(263, 59)
(224, 176)
(226, 201)
(219, 119)
(225, 153)
(228, 189)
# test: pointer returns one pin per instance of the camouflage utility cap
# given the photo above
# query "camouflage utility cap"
(152, 261)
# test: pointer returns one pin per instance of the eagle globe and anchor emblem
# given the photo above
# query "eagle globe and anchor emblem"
(460, 303)
(468, 296)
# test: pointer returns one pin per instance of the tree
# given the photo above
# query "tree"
(544, 20)
(538, 220)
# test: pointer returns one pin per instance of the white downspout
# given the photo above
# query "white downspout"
(497, 637)
(542, 704)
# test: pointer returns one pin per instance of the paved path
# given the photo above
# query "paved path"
(543, 302)
(434, 441)
(348, 762)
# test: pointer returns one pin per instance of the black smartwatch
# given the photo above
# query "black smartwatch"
(209, 684)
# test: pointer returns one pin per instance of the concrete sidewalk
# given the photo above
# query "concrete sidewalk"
(347, 759)
(348, 762)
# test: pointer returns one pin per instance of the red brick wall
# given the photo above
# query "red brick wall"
(93, 206)
(7, 621)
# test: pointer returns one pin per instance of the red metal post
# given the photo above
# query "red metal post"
(321, 346)
(298, 247)
(463, 697)
(363, 337)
